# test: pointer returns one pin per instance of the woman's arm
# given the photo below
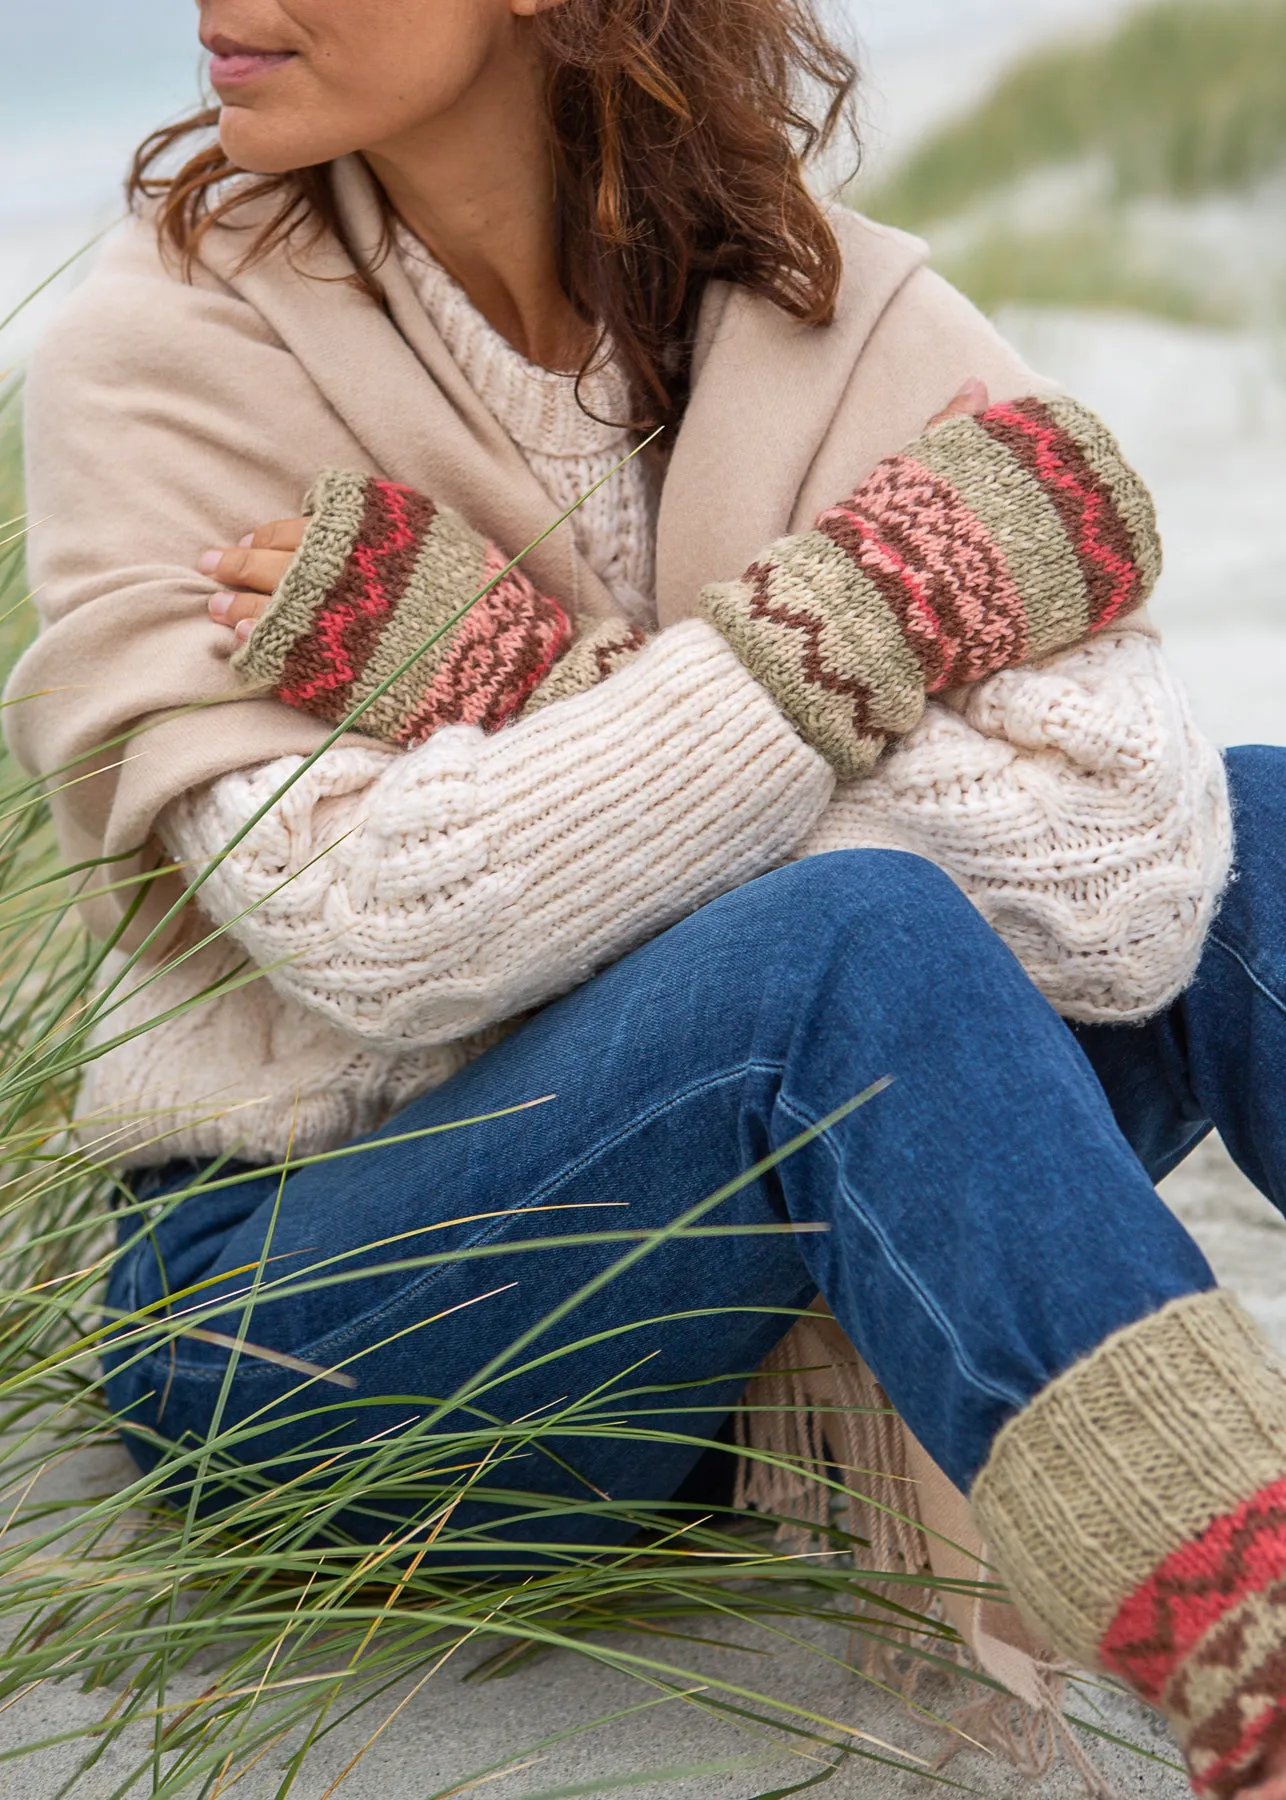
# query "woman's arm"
(989, 541)
(413, 898)
(1082, 812)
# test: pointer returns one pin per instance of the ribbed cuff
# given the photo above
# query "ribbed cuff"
(1137, 1511)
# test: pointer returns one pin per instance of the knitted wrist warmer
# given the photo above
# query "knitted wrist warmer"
(600, 648)
(1137, 1511)
(989, 542)
(380, 571)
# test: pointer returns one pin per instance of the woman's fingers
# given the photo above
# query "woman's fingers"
(281, 534)
(972, 399)
(251, 572)
(238, 611)
(258, 563)
(259, 571)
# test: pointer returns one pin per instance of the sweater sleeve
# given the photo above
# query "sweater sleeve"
(1079, 808)
(412, 898)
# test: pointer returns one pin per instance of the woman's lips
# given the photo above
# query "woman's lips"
(233, 68)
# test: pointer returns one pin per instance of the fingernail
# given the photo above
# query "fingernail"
(245, 542)
(244, 629)
(219, 603)
(210, 561)
(976, 390)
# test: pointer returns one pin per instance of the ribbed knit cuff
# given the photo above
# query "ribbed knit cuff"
(989, 542)
(1137, 1511)
(382, 573)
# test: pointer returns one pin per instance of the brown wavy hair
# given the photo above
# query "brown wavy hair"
(680, 132)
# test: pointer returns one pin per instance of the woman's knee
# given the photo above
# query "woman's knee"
(878, 919)
(854, 892)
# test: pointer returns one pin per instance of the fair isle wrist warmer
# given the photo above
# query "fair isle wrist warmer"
(1137, 1511)
(990, 541)
(380, 571)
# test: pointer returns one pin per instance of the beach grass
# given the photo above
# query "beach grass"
(1079, 180)
(1183, 99)
(1092, 265)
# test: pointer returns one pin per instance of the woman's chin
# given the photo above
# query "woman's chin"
(253, 140)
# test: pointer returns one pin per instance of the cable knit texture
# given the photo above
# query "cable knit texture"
(476, 877)
(571, 435)
(1137, 1510)
(990, 541)
(1079, 808)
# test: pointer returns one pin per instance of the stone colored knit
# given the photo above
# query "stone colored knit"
(567, 450)
(1138, 1508)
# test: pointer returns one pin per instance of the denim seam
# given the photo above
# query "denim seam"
(317, 1347)
(1249, 973)
(907, 1276)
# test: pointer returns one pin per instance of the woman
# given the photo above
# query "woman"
(607, 782)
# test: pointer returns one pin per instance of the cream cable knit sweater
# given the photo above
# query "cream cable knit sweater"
(407, 905)
(568, 451)
(458, 884)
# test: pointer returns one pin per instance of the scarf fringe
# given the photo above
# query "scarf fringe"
(817, 1415)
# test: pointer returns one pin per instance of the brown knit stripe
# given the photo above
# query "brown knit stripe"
(1166, 1427)
(815, 601)
(810, 625)
(602, 646)
(1034, 436)
(1229, 1695)
(323, 670)
(614, 652)
(1130, 494)
(938, 569)
(449, 569)
(1022, 521)
(340, 504)
(894, 586)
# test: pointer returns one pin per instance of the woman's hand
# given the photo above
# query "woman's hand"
(251, 572)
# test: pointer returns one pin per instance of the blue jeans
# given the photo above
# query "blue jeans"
(977, 1226)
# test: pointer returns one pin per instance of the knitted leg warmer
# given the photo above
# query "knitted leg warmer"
(1137, 1511)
